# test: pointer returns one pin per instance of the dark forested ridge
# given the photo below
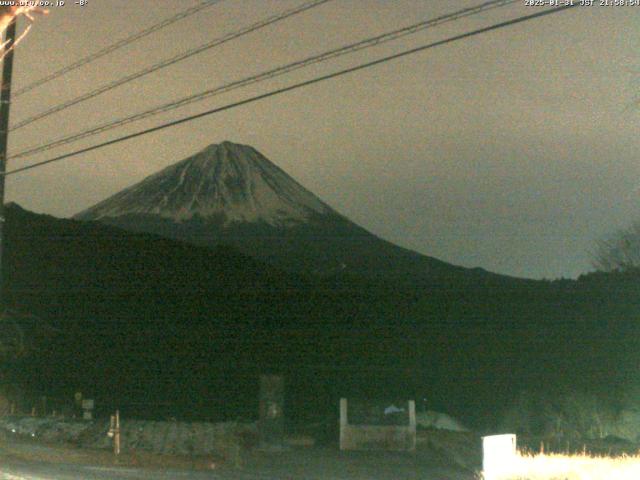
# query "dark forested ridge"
(158, 320)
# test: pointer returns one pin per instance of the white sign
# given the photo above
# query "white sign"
(499, 455)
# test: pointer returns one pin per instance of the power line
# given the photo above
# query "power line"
(117, 45)
(295, 86)
(351, 48)
(170, 61)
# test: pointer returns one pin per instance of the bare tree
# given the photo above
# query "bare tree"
(621, 251)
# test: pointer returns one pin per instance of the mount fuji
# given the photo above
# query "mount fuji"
(231, 194)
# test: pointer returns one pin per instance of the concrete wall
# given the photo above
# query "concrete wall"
(377, 437)
(176, 438)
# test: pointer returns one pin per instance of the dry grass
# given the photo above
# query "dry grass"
(570, 467)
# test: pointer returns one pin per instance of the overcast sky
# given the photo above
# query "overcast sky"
(513, 151)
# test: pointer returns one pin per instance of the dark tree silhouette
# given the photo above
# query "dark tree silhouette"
(621, 251)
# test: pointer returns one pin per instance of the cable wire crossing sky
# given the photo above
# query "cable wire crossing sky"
(284, 69)
(283, 90)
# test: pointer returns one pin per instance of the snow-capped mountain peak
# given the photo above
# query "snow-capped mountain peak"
(226, 181)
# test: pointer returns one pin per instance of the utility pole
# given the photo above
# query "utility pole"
(5, 105)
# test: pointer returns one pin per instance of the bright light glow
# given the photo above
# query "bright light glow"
(8, 13)
(499, 454)
(569, 467)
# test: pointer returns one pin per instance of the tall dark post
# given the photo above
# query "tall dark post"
(271, 424)
(5, 105)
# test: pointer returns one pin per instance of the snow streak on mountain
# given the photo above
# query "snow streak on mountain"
(228, 182)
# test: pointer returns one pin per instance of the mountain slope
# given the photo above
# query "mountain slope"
(230, 194)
